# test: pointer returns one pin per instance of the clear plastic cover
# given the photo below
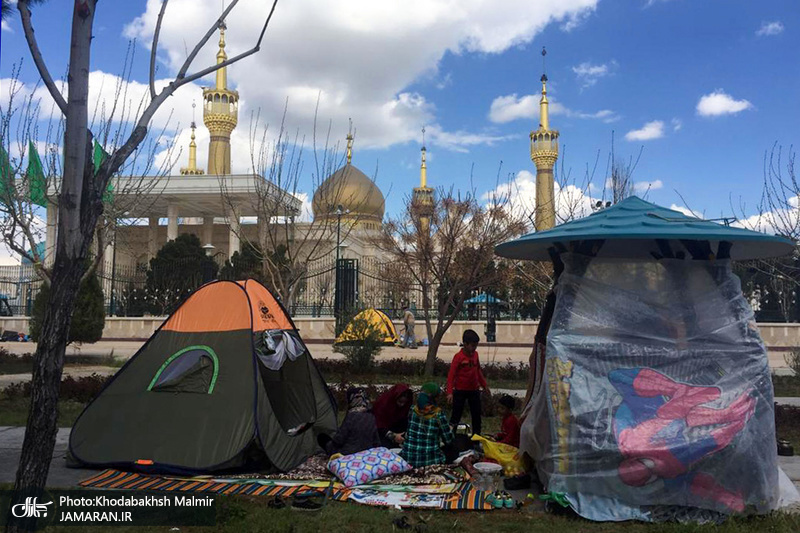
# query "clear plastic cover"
(657, 400)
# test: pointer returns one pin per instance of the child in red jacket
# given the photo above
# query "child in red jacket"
(465, 381)
(509, 428)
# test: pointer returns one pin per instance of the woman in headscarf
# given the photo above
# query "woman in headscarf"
(428, 430)
(391, 414)
(358, 431)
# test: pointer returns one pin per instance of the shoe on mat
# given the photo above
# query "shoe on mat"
(276, 503)
(508, 501)
(306, 504)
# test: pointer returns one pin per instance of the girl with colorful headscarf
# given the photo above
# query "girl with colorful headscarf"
(428, 430)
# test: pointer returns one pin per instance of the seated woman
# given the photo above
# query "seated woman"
(358, 431)
(391, 414)
(428, 429)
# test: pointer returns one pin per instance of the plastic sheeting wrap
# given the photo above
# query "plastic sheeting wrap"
(657, 400)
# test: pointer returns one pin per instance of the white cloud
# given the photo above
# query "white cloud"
(720, 103)
(770, 28)
(571, 202)
(6, 27)
(651, 130)
(686, 211)
(324, 49)
(512, 107)
(677, 124)
(588, 74)
(110, 96)
(643, 187)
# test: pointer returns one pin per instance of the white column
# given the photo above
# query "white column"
(208, 230)
(233, 234)
(152, 238)
(52, 232)
(172, 222)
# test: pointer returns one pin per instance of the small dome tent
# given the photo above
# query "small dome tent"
(650, 395)
(225, 382)
(374, 319)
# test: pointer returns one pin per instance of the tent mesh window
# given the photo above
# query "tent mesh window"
(192, 369)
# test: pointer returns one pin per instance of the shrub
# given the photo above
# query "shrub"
(361, 353)
(88, 317)
(793, 361)
(81, 389)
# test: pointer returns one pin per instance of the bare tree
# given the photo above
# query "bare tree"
(450, 253)
(619, 181)
(80, 205)
(777, 211)
(288, 246)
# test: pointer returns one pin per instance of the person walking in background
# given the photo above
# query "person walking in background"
(465, 381)
(410, 340)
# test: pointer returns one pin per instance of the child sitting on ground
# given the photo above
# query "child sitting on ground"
(427, 430)
(358, 431)
(509, 428)
(465, 381)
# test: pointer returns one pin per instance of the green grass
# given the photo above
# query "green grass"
(14, 411)
(387, 379)
(241, 514)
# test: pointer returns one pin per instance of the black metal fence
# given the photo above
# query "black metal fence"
(138, 290)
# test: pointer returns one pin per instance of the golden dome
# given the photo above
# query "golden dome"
(355, 192)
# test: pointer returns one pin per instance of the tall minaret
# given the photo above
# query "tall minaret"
(192, 169)
(544, 153)
(422, 198)
(220, 112)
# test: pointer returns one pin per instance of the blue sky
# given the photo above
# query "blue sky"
(463, 69)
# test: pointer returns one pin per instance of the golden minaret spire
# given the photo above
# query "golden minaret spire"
(350, 143)
(422, 197)
(220, 114)
(544, 154)
(222, 74)
(192, 168)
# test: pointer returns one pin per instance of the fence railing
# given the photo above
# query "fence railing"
(137, 290)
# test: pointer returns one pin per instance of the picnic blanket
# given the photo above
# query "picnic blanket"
(447, 496)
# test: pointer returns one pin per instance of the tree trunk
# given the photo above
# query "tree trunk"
(76, 221)
(433, 349)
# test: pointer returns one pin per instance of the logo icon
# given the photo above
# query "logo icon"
(265, 314)
(30, 509)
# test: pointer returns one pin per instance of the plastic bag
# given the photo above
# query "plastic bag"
(507, 456)
(656, 396)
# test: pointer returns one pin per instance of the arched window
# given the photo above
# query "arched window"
(192, 369)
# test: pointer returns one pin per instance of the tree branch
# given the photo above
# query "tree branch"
(154, 49)
(113, 163)
(38, 60)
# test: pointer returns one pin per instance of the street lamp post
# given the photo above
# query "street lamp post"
(339, 212)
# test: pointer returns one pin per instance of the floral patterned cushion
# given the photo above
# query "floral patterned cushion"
(363, 467)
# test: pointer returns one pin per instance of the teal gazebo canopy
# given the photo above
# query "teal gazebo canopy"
(484, 298)
(634, 228)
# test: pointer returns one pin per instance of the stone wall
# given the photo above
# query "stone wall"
(778, 337)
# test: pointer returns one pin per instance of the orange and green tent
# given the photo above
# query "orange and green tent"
(226, 382)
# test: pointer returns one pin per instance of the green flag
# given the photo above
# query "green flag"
(36, 181)
(6, 175)
(101, 155)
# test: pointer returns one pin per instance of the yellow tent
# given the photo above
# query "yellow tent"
(366, 320)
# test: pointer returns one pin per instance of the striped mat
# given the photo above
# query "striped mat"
(466, 497)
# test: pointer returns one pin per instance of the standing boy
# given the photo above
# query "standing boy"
(465, 381)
